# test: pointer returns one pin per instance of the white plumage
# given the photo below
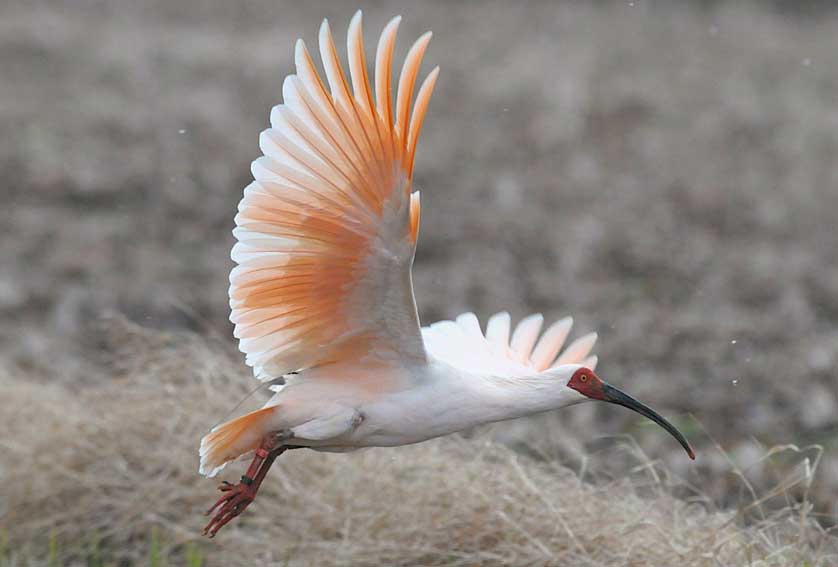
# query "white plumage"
(462, 344)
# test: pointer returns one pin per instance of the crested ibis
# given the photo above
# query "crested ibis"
(322, 297)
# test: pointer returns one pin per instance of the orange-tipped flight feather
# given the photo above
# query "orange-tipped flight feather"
(330, 216)
(233, 439)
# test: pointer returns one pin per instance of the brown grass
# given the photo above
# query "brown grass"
(119, 456)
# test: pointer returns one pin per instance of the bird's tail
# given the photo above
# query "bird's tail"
(230, 440)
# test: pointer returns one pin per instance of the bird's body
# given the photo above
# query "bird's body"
(390, 404)
(322, 297)
(427, 399)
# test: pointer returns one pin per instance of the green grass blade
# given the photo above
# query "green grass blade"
(155, 558)
(94, 551)
(4, 548)
(194, 557)
(52, 550)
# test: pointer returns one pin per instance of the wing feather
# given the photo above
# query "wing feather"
(461, 344)
(551, 342)
(327, 230)
(383, 73)
(497, 330)
(468, 322)
(577, 350)
(525, 335)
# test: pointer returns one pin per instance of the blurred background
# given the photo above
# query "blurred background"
(663, 171)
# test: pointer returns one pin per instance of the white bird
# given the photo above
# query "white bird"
(322, 297)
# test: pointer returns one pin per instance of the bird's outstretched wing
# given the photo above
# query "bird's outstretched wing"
(463, 345)
(327, 230)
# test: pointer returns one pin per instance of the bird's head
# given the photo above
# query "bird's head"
(588, 384)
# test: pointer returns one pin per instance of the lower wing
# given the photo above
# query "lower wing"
(504, 352)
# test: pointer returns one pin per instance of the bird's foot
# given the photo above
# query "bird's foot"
(235, 499)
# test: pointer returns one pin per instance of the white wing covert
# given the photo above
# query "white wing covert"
(503, 352)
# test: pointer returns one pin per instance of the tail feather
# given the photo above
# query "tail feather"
(233, 439)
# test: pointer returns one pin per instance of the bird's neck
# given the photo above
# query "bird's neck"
(500, 398)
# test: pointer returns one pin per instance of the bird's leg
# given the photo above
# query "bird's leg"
(237, 497)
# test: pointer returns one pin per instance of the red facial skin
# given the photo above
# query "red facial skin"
(587, 383)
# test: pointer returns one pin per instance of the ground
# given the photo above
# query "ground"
(664, 173)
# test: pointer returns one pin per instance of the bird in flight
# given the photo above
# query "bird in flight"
(322, 297)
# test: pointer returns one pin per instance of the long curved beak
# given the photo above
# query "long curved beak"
(616, 396)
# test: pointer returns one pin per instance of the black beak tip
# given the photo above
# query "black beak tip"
(617, 396)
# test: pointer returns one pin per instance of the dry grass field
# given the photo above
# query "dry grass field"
(665, 172)
(105, 471)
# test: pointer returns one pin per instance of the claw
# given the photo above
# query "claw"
(240, 496)
(218, 503)
(236, 497)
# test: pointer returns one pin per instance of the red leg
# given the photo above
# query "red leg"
(237, 497)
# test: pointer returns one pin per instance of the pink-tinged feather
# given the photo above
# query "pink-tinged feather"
(406, 83)
(550, 343)
(422, 100)
(525, 336)
(577, 350)
(233, 439)
(358, 65)
(383, 71)
(461, 344)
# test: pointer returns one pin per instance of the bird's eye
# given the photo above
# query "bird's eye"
(583, 378)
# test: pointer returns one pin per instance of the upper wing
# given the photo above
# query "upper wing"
(463, 345)
(327, 230)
